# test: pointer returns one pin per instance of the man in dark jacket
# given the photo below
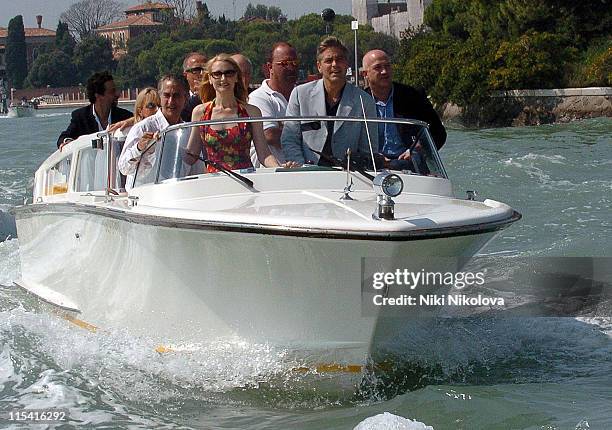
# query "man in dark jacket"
(98, 115)
(194, 66)
(397, 100)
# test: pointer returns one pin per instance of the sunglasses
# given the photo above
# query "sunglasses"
(151, 105)
(227, 73)
(195, 70)
(287, 63)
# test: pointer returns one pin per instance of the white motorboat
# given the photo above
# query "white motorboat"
(275, 256)
(20, 111)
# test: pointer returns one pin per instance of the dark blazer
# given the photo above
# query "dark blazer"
(83, 122)
(192, 102)
(409, 102)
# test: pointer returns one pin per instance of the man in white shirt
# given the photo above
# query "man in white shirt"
(140, 141)
(271, 97)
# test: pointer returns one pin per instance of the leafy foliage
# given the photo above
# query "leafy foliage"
(596, 67)
(533, 60)
(148, 57)
(472, 47)
(54, 69)
(16, 54)
(93, 54)
(269, 13)
(64, 40)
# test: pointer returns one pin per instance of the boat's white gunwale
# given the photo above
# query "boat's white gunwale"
(38, 209)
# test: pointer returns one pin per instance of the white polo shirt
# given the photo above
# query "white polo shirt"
(272, 104)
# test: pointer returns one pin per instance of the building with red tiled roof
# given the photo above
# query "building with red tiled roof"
(35, 39)
(144, 18)
(148, 7)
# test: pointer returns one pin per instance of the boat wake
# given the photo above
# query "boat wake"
(7, 224)
(54, 114)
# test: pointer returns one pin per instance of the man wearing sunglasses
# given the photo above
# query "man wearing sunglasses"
(194, 66)
(273, 95)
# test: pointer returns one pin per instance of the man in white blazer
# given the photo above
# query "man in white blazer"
(330, 96)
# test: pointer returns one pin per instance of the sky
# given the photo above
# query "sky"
(52, 9)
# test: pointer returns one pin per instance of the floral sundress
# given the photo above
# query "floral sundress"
(229, 147)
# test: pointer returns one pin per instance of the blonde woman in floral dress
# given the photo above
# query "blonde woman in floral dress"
(224, 96)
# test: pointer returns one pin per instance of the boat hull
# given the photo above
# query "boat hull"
(20, 112)
(189, 284)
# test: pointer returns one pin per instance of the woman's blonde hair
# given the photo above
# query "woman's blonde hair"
(207, 92)
(145, 96)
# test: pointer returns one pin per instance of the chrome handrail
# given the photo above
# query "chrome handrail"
(294, 119)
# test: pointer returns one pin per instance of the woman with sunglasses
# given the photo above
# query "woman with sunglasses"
(147, 103)
(224, 96)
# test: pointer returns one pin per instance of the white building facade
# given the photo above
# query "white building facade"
(390, 17)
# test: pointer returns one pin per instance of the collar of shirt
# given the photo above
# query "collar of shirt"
(161, 120)
(265, 87)
(385, 108)
(93, 110)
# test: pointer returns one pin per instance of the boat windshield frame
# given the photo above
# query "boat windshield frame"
(423, 128)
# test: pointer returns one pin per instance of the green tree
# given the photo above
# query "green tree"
(274, 14)
(93, 54)
(16, 54)
(254, 39)
(54, 69)
(218, 46)
(305, 33)
(269, 13)
(475, 46)
(597, 67)
(64, 40)
(249, 12)
(534, 60)
(424, 59)
(170, 55)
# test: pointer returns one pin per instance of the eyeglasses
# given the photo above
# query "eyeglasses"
(287, 63)
(195, 70)
(227, 73)
(151, 105)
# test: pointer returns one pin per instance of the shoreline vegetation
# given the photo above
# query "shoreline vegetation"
(469, 50)
(466, 52)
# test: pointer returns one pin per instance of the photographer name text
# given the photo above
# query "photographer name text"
(437, 300)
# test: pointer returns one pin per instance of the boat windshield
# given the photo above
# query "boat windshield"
(182, 153)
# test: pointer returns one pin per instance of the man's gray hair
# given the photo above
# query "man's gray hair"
(177, 79)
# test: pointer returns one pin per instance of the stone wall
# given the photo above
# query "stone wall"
(535, 107)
